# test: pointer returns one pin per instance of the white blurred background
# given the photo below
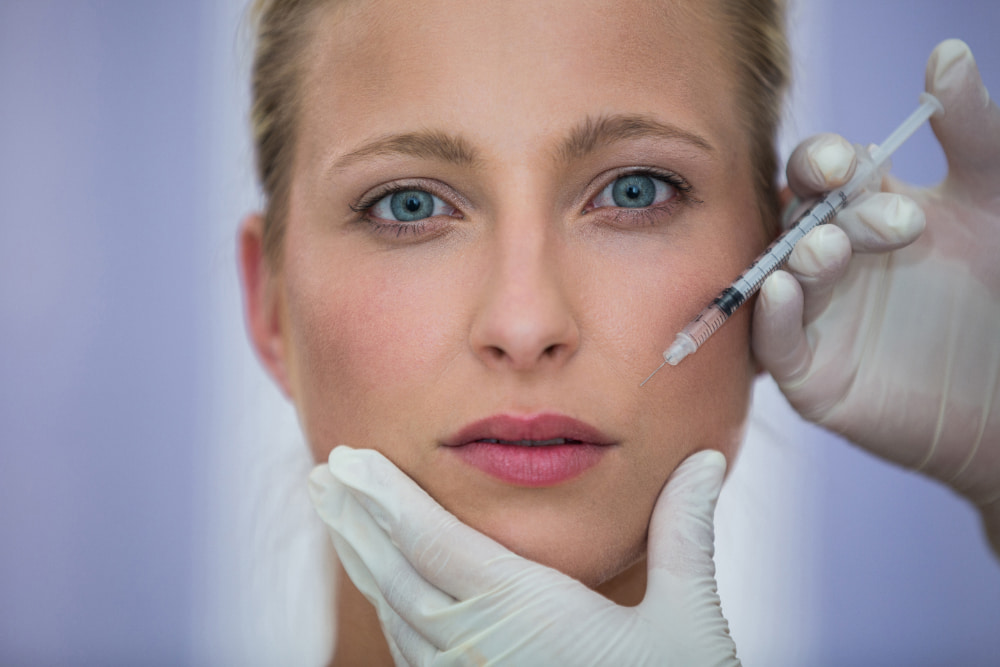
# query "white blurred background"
(152, 495)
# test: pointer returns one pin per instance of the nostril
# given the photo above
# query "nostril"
(518, 330)
(498, 353)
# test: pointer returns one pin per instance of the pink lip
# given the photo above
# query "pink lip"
(515, 462)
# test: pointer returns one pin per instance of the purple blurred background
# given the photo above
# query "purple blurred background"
(126, 384)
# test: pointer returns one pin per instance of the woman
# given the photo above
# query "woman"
(483, 224)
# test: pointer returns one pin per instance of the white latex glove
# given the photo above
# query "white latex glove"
(891, 341)
(448, 595)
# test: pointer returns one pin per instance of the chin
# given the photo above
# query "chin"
(590, 550)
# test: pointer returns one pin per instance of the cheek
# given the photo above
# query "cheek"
(363, 345)
(704, 401)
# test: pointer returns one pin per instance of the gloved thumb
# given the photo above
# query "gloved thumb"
(969, 129)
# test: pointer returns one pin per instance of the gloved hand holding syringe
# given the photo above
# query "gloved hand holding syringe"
(871, 165)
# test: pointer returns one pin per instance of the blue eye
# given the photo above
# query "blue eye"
(634, 191)
(410, 206)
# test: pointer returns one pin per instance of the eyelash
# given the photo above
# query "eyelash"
(399, 229)
(622, 216)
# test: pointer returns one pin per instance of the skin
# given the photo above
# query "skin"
(528, 298)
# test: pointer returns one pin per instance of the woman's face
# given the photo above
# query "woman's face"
(500, 215)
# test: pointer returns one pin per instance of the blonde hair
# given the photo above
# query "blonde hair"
(283, 29)
(281, 33)
(763, 61)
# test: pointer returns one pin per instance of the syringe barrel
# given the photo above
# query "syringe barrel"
(707, 321)
(777, 253)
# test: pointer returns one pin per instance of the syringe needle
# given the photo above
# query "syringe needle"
(653, 373)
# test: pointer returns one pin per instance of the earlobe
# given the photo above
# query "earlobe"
(262, 301)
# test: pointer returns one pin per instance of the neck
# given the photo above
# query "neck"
(359, 636)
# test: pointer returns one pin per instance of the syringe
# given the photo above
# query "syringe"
(869, 167)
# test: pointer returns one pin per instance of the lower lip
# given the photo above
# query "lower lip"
(531, 466)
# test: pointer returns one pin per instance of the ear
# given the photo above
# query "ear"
(263, 302)
(785, 197)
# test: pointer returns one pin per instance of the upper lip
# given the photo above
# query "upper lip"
(529, 429)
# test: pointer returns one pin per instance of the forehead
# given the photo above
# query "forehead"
(509, 72)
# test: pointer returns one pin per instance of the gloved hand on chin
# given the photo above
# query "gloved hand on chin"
(448, 595)
(891, 336)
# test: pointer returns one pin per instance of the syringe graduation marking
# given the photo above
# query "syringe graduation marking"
(781, 248)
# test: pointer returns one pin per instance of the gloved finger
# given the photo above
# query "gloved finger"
(355, 568)
(407, 645)
(417, 620)
(681, 532)
(969, 129)
(451, 556)
(334, 504)
(819, 164)
(515, 635)
(817, 262)
(393, 629)
(363, 580)
(681, 575)
(882, 222)
(382, 574)
(778, 338)
(398, 659)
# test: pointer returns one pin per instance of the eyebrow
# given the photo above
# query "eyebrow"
(433, 144)
(588, 136)
(596, 132)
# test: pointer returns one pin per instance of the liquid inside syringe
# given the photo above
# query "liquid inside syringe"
(692, 336)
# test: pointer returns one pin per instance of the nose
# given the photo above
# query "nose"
(525, 320)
